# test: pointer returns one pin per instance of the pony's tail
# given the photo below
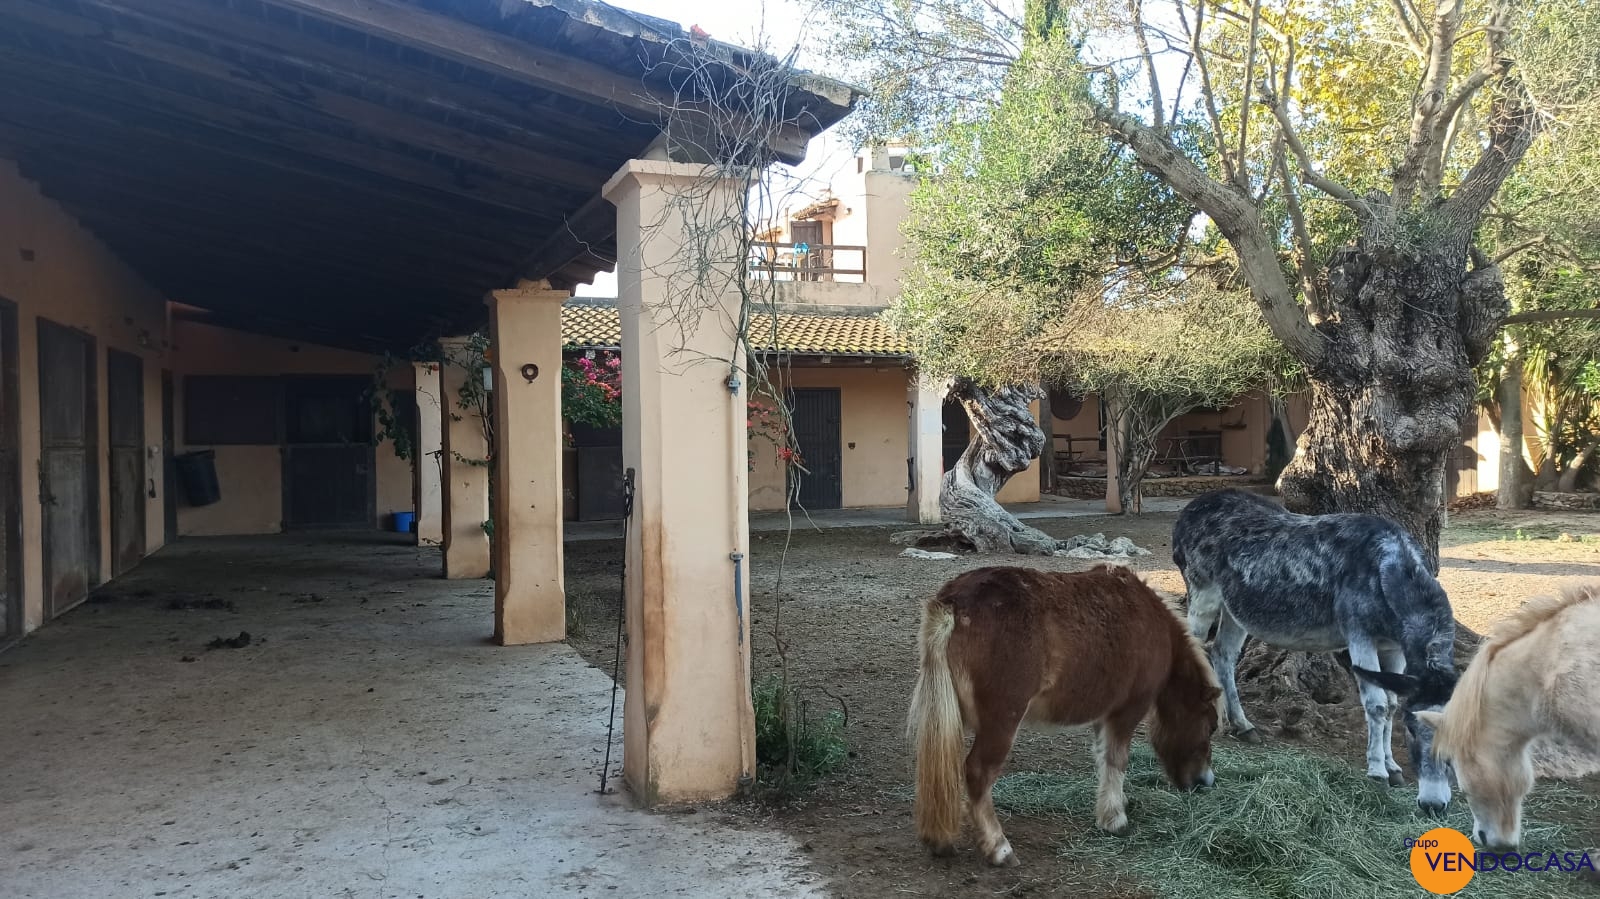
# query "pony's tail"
(935, 728)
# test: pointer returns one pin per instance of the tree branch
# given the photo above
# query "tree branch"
(1136, 15)
(1207, 94)
(1249, 82)
(1413, 35)
(1239, 222)
(1551, 315)
(1495, 65)
(1308, 170)
(1517, 248)
(1429, 104)
(1513, 124)
(1302, 239)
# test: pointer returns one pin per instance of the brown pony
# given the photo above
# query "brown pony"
(1004, 645)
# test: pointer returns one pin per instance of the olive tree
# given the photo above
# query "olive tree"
(1346, 155)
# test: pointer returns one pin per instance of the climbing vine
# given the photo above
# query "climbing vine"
(768, 421)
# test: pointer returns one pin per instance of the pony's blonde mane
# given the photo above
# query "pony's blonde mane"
(1467, 703)
(1196, 648)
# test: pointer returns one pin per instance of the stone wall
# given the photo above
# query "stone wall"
(1567, 502)
(1095, 488)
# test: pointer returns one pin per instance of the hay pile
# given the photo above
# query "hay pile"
(1279, 824)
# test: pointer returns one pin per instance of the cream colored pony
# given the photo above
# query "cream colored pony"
(1536, 677)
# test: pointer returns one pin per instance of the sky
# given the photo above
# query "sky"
(749, 23)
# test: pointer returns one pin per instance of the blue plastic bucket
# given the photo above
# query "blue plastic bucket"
(404, 522)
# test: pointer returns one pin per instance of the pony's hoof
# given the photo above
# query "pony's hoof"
(1004, 857)
(1251, 736)
(1117, 827)
(1397, 779)
(941, 850)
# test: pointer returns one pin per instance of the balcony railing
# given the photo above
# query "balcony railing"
(808, 262)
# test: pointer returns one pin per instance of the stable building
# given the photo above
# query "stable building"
(218, 220)
(845, 377)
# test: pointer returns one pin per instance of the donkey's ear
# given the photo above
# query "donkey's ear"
(1432, 719)
(1399, 684)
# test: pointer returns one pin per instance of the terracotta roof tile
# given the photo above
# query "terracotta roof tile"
(590, 325)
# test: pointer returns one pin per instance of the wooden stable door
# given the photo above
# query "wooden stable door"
(10, 484)
(69, 482)
(125, 411)
(817, 429)
(329, 466)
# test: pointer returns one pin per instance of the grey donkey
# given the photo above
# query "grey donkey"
(1325, 583)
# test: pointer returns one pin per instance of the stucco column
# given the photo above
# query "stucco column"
(529, 596)
(465, 494)
(925, 397)
(427, 489)
(688, 726)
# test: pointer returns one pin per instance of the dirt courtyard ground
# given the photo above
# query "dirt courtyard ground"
(850, 609)
(365, 741)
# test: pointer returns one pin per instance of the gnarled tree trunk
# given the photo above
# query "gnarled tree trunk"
(1391, 391)
(1007, 440)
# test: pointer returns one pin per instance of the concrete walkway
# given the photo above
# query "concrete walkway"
(368, 742)
(895, 517)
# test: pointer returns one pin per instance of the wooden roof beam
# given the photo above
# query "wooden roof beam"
(319, 333)
(164, 168)
(589, 233)
(520, 61)
(77, 188)
(291, 101)
(267, 40)
(223, 129)
(404, 179)
(257, 257)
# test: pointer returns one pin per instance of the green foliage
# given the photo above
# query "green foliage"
(1204, 345)
(1280, 824)
(1015, 237)
(1040, 252)
(591, 389)
(794, 747)
(973, 42)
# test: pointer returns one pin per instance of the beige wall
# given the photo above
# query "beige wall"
(52, 268)
(1023, 486)
(1486, 443)
(872, 435)
(872, 411)
(870, 209)
(831, 293)
(1243, 425)
(251, 477)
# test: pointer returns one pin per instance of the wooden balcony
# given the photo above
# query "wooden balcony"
(808, 262)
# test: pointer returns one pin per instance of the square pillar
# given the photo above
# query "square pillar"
(427, 488)
(926, 399)
(530, 604)
(465, 480)
(689, 731)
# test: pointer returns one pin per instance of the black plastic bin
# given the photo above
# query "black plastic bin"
(197, 472)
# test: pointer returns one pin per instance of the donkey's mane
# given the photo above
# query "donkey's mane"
(1467, 704)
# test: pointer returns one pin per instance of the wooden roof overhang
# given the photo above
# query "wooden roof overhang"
(353, 172)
